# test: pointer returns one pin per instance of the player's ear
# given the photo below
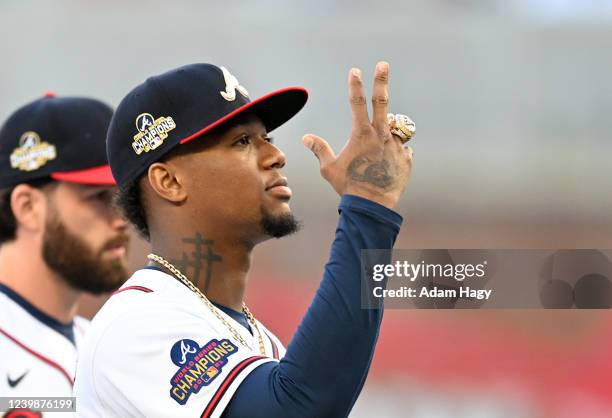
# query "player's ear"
(166, 182)
(29, 206)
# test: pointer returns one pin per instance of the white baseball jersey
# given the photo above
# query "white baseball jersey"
(156, 350)
(37, 353)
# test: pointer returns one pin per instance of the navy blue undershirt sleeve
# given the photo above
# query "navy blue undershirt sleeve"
(328, 359)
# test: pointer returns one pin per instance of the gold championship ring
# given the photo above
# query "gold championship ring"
(402, 126)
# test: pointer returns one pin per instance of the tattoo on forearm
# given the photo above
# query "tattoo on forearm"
(200, 260)
(376, 173)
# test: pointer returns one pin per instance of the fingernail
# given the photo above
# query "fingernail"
(383, 66)
(356, 72)
(306, 140)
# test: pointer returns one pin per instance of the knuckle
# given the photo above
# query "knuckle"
(382, 76)
(358, 100)
(362, 130)
(380, 100)
(386, 136)
(325, 170)
(383, 130)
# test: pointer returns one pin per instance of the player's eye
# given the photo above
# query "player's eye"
(243, 140)
(269, 139)
(104, 196)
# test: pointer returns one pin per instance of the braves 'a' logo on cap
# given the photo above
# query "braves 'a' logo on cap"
(144, 121)
(151, 132)
(231, 85)
(32, 153)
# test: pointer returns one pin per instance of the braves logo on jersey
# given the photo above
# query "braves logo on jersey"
(198, 366)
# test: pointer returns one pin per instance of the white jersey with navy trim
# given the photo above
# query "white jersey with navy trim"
(155, 349)
(36, 358)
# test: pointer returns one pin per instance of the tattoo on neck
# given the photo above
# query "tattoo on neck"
(376, 173)
(181, 263)
(200, 259)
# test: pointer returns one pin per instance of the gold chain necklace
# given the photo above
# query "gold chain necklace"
(262, 349)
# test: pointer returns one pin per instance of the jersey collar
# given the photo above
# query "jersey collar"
(64, 329)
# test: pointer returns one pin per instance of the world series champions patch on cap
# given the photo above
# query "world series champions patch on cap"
(32, 153)
(151, 132)
(59, 137)
(183, 104)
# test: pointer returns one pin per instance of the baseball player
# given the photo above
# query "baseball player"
(201, 178)
(59, 237)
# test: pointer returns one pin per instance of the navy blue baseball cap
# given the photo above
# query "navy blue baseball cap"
(59, 137)
(181, 105)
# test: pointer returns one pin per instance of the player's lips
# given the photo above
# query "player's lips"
(279, 188)
(117, 247)
(118, 251)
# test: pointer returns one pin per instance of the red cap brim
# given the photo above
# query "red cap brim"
(273, 109)
(100, 175)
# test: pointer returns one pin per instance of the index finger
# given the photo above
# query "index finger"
(359, 107)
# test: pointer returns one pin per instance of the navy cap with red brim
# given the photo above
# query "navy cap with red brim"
(59, 137)
(183, 104)
(273, 109)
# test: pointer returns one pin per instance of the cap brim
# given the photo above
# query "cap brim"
(273, 109)
(98, 176)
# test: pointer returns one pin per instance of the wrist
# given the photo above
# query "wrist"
(382, 198)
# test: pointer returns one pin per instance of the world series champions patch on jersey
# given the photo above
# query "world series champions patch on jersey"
(154, 349)
(199, 366)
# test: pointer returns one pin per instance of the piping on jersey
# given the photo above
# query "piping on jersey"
(39, 356)
(226, 384)
(274, 348)
(141, 288)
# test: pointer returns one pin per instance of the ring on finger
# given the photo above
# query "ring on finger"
(401, 126)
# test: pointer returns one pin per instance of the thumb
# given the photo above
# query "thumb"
(320, 148)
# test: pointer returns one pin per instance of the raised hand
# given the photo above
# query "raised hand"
(374, 164)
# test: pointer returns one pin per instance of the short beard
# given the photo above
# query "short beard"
(278, 226)
(74, 261)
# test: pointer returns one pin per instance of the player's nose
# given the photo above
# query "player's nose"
(272, 156)
(117, 221)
